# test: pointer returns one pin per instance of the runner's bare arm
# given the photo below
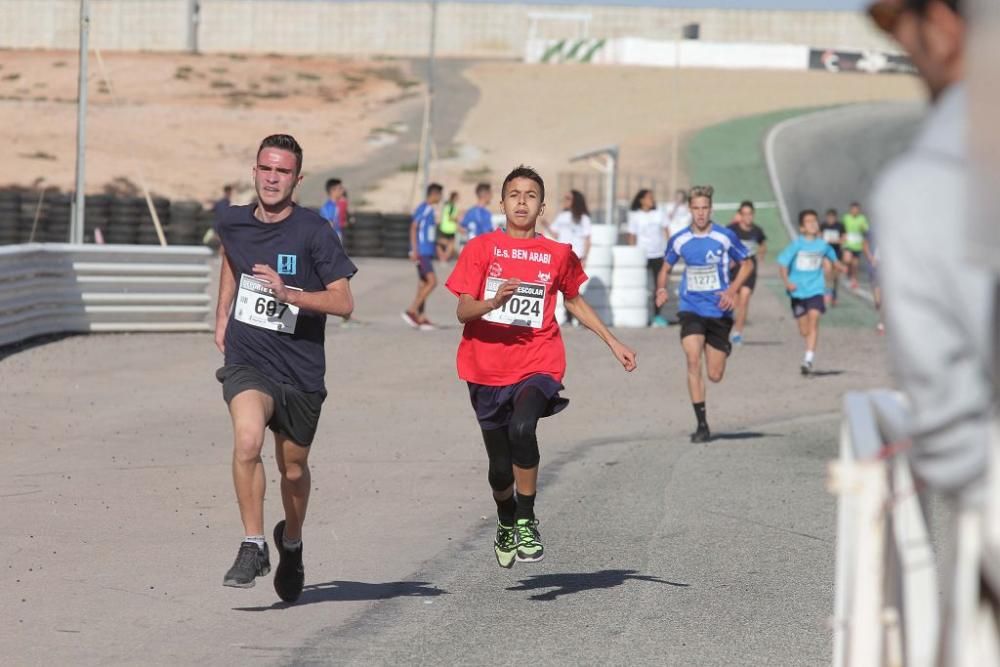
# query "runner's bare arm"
(762, 252)
(227, 292)
(413, 240)
(783, 270)
(336, 299)
(583, 311)
(470, 308)
(662, 294)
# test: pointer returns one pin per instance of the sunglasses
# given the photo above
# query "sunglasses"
(886, 14)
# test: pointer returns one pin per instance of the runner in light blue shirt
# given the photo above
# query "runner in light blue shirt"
(804, 264)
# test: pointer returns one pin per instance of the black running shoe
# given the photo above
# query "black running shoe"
(290, 575)
(806, 368)
(251, 562)
(702, 434)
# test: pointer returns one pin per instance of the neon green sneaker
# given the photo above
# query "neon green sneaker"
(529, 541)
(505, 545)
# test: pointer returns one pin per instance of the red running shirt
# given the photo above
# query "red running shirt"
(523, 338)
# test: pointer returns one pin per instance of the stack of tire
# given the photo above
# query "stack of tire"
(629, 298)
(54, 222)
(396, 235)
(10, 217)
(188, 223)
(600, 260)
(363, 237)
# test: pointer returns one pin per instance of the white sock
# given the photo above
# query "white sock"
(291, 545)
(810, 355)
(256, 539)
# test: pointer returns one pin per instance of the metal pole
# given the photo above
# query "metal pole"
(429, 106)
(674, 117)
(194, 17)
(76, 229)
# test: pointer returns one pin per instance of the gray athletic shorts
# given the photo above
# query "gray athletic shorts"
(296, 412)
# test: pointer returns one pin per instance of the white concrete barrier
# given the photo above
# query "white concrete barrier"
(49, 288)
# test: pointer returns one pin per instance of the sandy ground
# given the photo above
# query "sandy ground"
(188, 124)
(191, 123)
(120, 520)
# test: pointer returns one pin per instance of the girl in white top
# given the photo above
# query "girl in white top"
(649, 228)
(572, 225)
(677, 212)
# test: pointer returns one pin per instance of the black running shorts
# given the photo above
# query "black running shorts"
(296, 412)
(714, 329)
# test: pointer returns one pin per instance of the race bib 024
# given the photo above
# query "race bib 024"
(703, 278)
(525, 309)
(256, 306)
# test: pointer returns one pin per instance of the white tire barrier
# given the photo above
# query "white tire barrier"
(629, 256)
(629, 278)
(603, 236)
(634, 318)
(598, 275)
(629, 298)
(600, 256)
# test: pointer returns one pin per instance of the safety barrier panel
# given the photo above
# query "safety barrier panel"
(48, 288)
(887, 610)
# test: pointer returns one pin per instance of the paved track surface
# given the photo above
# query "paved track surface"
(120, 520)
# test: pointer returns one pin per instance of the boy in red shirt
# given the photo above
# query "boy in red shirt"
(512, 354)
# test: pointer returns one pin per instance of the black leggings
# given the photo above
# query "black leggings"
(515, 444)
(653, 265)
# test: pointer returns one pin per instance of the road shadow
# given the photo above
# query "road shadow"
(744, 435)
(11, 349)
(355, 591)
(575, 582)
(820, 374)
(760, 343)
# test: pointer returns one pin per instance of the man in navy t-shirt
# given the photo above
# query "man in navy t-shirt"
(282, 273)
(423, 231)
(707, 296)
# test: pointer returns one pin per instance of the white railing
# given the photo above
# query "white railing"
(61, 288)
(887, 607)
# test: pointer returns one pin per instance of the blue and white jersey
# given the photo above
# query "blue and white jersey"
(804, 260)
(477, 221)
(426, 229)
(706, 275)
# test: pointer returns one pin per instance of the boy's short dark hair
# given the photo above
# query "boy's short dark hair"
(746, 203)
(807, 212)
(832, 211)
(855, 204)
(483, 187)
(434, 187)
(522, 171)
(285, 142)
(332, 183)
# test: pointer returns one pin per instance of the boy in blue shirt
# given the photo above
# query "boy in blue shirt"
(422, 249)
(478, 220)
(804, 265)
(707, 296)
(331, 207)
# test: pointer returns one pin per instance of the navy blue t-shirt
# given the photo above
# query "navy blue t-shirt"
(306, 254)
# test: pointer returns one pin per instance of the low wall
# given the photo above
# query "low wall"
(49, 288)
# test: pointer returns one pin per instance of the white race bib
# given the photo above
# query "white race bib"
(831, 235)
(256, 306)
(525, 309)
(855, 239)
(808, 261)
(703, 278)
(752, 248)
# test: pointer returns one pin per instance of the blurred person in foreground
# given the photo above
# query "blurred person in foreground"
(938, 321)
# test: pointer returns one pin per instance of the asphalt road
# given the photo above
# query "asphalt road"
(120, 520)
(831, 158)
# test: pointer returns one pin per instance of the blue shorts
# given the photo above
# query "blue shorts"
(802, 306)
(494, 406)
(425, 265)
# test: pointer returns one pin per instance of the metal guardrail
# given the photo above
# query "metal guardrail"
(48, 288)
